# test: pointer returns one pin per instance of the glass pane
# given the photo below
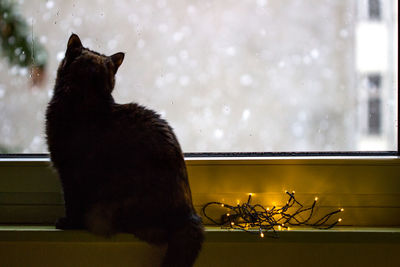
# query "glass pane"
(242, 76)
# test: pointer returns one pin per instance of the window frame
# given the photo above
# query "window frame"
(376, 171)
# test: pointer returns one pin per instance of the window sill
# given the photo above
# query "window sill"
(341, 246)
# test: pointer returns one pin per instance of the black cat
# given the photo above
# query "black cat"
(121, 166)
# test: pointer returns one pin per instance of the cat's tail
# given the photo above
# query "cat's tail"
(184, 243)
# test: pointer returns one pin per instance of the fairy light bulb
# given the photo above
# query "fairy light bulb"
(248, 215)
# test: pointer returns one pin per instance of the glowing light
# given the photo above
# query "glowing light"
(270, 215)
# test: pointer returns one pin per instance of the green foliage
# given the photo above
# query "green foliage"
(16, 40)
(6, 150)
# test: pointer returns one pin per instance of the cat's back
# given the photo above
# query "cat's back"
(142, 130)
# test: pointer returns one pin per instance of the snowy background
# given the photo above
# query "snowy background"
(228, 75)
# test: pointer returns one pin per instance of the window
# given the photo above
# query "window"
(374, 104)
(241, 76)
(374, 121)
(247, 76)
(374, 9)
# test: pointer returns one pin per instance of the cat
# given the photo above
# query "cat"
(120, 165)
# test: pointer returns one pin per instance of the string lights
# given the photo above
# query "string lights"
(257, 219)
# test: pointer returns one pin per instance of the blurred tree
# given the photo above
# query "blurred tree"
(17, 43)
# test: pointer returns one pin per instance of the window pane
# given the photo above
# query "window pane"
(243, 76)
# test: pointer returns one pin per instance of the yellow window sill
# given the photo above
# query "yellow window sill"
(341, 246)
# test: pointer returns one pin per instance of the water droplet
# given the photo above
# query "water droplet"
(191, 9)
(246, 114)
(11, 40)
(314, 53)
(246, 80)
(178, 36)
(22, 57)
(43, 39)
(226, 110)
(49, 4)
(261, 3)
(184, 80)
(218, 133)
(2, 91)
(23, 71)
(17, 51)
(231, 51)
(60, 56)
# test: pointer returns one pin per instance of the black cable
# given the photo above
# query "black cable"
(248, 217)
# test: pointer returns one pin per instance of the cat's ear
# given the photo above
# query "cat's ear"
(117, 60)
(74, 46)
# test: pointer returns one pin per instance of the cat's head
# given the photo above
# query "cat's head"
(89, 68)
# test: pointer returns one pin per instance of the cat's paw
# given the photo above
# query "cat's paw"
(64, 223)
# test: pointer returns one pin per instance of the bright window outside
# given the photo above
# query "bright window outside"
(242, 76)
